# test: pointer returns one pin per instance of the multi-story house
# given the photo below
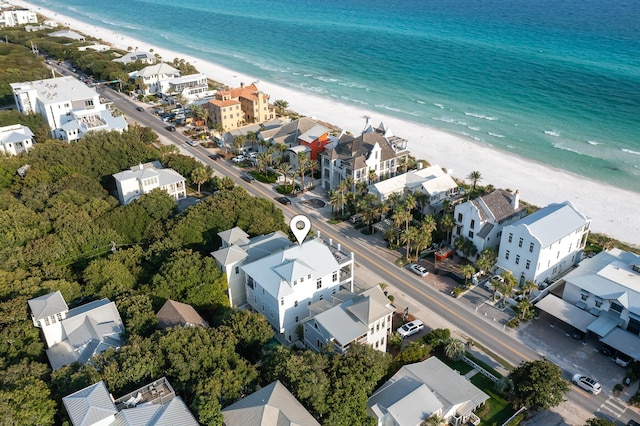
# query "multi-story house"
(235, 107)
(238, 249)
(144, 178)
(545, 244)
(144, 57)
(346, 318)
(376, 153)
(481, 220)
(154, 77)
(190, 86)
(303, 132)
(15, 139)
(282, 279)
(154, 404)
(76, 335)
(55, 99)
(431, 181)
(17, 16)
(601, 296)
(85, 121)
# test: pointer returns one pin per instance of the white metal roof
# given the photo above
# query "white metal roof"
(551, 223)
(566, 312)
(47, 305)
(89, 405)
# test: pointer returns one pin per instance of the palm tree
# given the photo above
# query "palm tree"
(407, 238)
(525, 310)
(199, 175)
(394, 199)
(446, 225)
(434, 420)
(262, 161)
(454, 349)
(467, 272)
(410, 202)
(252, 138)
(239, 142)
(528, 287)
(336, 198)
(302, 169)
(403, 163)
(284, 169)
(421, 200)
(421, 242)
(281, 105)
(372, 176)
(475, 177)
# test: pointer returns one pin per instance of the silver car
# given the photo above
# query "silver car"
(587, 383)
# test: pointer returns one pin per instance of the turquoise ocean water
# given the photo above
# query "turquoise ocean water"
(557, 81)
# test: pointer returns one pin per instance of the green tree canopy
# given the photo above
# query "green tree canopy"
(538, 385)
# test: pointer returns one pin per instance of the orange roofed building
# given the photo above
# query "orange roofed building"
(234, 108)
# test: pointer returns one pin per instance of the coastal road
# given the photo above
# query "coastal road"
(462, 318)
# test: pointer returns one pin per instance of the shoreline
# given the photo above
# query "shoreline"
(611, 208)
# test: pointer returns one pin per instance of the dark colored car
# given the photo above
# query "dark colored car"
(170, 128)
(283, 200)
(214, 157)
(247, 178)
(140, 109)
(605, 351)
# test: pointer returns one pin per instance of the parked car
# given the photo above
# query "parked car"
(605, 350)
(577, 334)
(410, 328)
(170, 128)
(587, 383)
(623, 360)
(239, 158)
(356, 218)
(140, 109)
(214, 157)
(418, 269)
(283, 200)
(247, 178)
(191, 142)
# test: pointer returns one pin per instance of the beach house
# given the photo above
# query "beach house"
(303, 132)
(153, 404)
(242, 105)
(271, 405)
(13, 16)
(545, 244)
(15, 139)
(83, 121)
(143, 57)
(481, 220)
(144, 178)
(76, 335)
(601, 296)
(155, 77)
(374, 154)
(335, 323)
(55, 99)
(433, 182)
(426, 389)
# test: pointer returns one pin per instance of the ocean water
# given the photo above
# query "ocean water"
(557, 81)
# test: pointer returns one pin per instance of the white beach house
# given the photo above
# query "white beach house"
(15, 139)
(144, 178)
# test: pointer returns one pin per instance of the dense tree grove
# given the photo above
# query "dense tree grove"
(538, 385)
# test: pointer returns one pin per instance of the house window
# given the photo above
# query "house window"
(520, 243)
(53, 319)
(510, 237)
(499, 235)
(309, 276)
(616, 307)
(295, 304)
(335, 276)
(528, 264)
(458, 229)
(297, 319)
(378, 327)
(333, 291)
(517, 259)
(321, 297)
(530, 247)
(282, 301)
(473, 223)
(377, 345)
(295, 282)
(272, 313)
(470, 234)
(506, 254)
(301, 279)
(237, 270)
(59, 315)
(262, 290)
(570, 247)
(459, 217)
(584, 296)
(598, 304)
(46, 321)
(371, 330)
(319, 283)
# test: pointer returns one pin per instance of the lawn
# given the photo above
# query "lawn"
(496, 410)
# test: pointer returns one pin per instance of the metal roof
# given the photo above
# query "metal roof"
(551, 223)
(623, 341)
(89, 405)
(566, 312)
(47, 305)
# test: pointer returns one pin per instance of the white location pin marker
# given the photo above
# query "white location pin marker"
(300, 226)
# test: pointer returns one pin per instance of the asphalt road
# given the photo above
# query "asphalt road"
(460, 317)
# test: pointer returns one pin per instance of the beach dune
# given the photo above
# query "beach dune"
(612, 209)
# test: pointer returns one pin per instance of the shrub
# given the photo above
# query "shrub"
(513, 322)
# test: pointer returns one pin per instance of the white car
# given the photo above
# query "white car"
(418, 269)
(239, 159)
(587, 383)
(410, 328)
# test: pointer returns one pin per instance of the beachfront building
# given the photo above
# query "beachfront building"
(602, 296)
(305, 132)
(235, 107)
(155, 77)
(426, 389)
(346, 318)
(76, 335)
(84, 121)
(481, 220)
(13, 16)
(375, 154)
(153, 404)
(71, 35)
(545, 244)
(15, 139)
(192, 86)
(55, 99)
(271, 405)
(431, 181)
(143, 57)
(144, 178)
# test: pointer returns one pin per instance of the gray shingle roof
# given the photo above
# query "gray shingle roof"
(174, 314)
(272, 405)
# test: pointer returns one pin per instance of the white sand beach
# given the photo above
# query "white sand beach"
(612, 209)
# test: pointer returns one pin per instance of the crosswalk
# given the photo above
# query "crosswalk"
(615, 408)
